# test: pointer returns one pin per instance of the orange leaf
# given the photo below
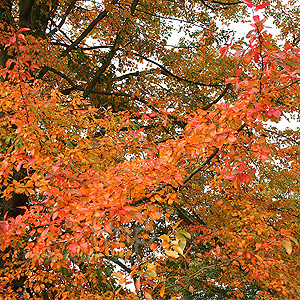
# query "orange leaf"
(248, 57)
(137, 284)
(162, 290)
(147, 296)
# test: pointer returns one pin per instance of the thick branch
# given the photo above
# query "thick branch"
(101, 16)
(110, 55)
(186, 217)
(133, 74)
(104, 66)
(83, 48)
(74, 86)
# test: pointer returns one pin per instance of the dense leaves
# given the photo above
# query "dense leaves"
(134, 168)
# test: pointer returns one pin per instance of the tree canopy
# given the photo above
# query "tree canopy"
(132, 167)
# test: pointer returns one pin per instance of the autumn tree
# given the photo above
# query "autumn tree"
(134, 167)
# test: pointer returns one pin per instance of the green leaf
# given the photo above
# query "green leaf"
(186, 234)
(151, 273)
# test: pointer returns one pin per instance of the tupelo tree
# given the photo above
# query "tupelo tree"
(131, 167)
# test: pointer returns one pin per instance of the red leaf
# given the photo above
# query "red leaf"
(223, 51)
(145, 117)
(238, 72)
(4, 226)
(248, 3)
(12, 39)
(147, 296)
(21, 36)
(23, 29)
(248, 57)
(256, 57)
(73, 248)
(44, 233)
(153, 247)
(256, 19)
(238, 53)
(138, 284)
(31, 160)
(288, 47)
(19, 166)
(231, 139)
(245, 178)
(84, 246)
(55, 215)
(55, 168)
(229, 176)
(276, 113)
(261, 6)
(231, 80)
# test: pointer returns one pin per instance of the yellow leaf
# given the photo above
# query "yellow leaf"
(287, 245)
(171, 253)
(122, 280)
(178, 249)
(165, 237)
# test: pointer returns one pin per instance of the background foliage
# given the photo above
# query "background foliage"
(133, 168)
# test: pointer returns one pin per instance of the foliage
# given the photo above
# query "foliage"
(131, 168)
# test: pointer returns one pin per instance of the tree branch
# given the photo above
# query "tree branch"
(119, 263)
(166, 72)
(226, 3)
(63, 19)
(208, 106)
(199, 168)
(104, 66)
(110, 54)
(101, 16)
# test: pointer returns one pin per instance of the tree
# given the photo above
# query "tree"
(167, 175)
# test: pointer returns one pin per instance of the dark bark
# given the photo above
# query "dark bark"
(36, 15)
